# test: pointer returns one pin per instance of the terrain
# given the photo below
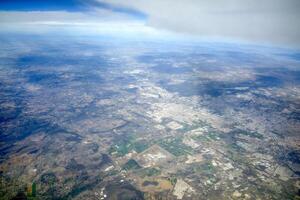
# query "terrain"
(111, 118)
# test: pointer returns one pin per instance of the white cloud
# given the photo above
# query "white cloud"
(271, 21)
(95, 15)
(263, 21)
(93, 22)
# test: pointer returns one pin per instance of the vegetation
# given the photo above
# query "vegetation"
(251, 134)
(206, 169)
(172, 180)
(149, 172)
(175, 146)
(49, 178)
(31, 191)
(125, 146)
(131, 164)
(207, 137)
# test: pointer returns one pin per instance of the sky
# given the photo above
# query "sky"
(274, 22)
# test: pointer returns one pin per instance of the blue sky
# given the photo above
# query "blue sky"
(72, 16)
(66, 5)
(39, 5)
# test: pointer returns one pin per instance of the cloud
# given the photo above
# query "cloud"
(96, 15)
(269, 21)
(261, 21)
(95, 21)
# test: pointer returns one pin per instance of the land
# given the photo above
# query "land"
(200, 121)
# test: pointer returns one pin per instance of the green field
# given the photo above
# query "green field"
(125, 146)
(149, 172)
(131, 164)
(175, 146)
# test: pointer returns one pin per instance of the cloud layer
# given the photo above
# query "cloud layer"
(261, 21)
(94, 22)
(270, 21)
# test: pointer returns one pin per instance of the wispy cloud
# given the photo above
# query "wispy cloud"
(96, 21)
(89, 14)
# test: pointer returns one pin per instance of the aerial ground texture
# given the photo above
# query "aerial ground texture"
(102, 118)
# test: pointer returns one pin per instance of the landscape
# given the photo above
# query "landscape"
(100, 116)
(147, 121)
